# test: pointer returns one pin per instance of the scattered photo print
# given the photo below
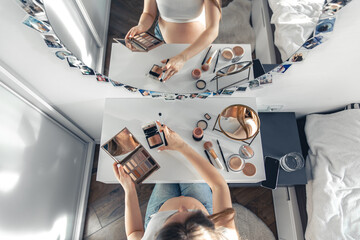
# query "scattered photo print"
(155, 94)
(218, 92)
(330, 9)
(169, 96)
(313, 42)
(131, 89)
(227, 92)
(204, 95)
(325, 26)
(101, 78)
(144, 92)
(193, 95)
(265, 79)
(85, 70)
(63, 54)
(241, 89)
(40, 3)
(298, 57)
(36, 24)
(180, 96)
(282, 68)
(31, 8)
(115, 83)
(341, 2)
(254, 84)
(73, 61)
(52, 41)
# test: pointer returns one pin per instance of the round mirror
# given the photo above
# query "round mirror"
(239, 122)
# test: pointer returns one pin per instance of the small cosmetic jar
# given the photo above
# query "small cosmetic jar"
(227, 54)
(198, 134)
(200, 84)
(235, 163)
(196, 73)
(246, 151)
(202, 124)
(238, 51)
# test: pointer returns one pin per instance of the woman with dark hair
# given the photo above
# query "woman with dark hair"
(195, 22)
(181, 211)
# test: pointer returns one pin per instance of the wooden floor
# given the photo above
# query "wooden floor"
(105, 211)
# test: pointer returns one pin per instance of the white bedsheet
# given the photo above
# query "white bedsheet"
(333, 190)
(294, 21)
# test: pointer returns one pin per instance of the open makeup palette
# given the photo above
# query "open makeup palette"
(142, 42)
(127, 151)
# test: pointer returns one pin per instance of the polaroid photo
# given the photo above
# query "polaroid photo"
(73, 61)
(330, 9)
(227, 92)
(193, 95)
(101, 78)
(204, 95)
(299, 56)
(169, 96)
(325, 26)
(85, 70)
(31, 8)
(314, 42)
(180, 96)
(241, 89)
(155, 94)
(144, 92)
(52, 41)
(63, 54)
(131, 89)
(218, 92)
(254, 84)
(282, 68)
(36, 24)
(265, 79)
(115, 83)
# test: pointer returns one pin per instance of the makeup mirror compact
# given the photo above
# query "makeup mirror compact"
(238, 122)
(124, 149)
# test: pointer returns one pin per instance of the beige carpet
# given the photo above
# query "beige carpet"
(249, 226)
(235, 24)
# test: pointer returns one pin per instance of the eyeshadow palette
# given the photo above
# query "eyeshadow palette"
(142, 42)
(128, 152)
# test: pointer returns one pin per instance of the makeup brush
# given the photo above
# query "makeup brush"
(206, 66)
(162, 75)
(209, 147)
(202, 63)
(217, 59)
(162, 124)
(222, 155)
(208, 157)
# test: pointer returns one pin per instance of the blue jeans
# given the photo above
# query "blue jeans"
(163, 192)
(158, 32)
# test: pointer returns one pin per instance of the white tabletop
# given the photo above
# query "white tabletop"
(130, 68)
(182, 117)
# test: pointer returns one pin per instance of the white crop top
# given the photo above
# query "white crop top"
(181, 11)
(157, 221)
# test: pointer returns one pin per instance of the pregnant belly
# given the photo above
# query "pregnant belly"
(187, 202)
(180, 32)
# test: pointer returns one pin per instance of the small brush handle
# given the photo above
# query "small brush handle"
(165, 139)
(218, 163)
(211, 57)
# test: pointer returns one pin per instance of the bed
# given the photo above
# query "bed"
(333, 170)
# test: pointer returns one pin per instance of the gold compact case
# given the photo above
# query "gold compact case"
(156, 72)
(127, 151)
(152, 134)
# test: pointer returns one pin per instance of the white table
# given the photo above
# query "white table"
(182, 117)
(131, 68)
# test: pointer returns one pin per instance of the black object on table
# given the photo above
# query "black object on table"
(279, 136)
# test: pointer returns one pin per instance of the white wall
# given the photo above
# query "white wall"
(326, 80)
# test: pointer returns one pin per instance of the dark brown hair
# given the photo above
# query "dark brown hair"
(196, 226)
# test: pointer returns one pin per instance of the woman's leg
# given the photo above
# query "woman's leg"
(160, 194)
(199, 191)
(158, 32)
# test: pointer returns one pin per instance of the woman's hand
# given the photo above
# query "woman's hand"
(175, 142)
(123, 178)
(173, 66)
(134, 31)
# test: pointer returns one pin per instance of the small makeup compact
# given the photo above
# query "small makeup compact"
(196, 73)
(235, 163)
(127, 151)
(152, 135)
(200, 84)
(142, 42)
(156, 72)
(198, 134)
(227, 54)
(238, 51)
(202, 124)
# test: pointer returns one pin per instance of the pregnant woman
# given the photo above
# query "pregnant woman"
(195, 22)
(181, 211)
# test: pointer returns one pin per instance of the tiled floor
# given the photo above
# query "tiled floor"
(105, 212)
